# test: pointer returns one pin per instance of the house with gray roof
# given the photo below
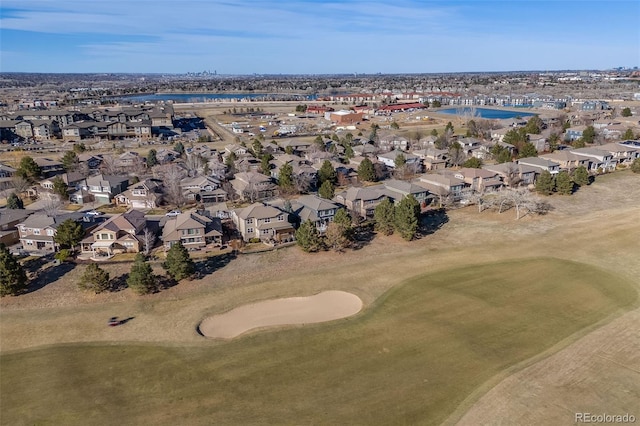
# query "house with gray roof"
(311, 207)
(122, 233)
(105, 187)
(541, 164)
(514, 174)
(9, 219)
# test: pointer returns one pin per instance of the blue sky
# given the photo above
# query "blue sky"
(316, 37)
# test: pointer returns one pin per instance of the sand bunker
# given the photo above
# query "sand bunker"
(325, 306)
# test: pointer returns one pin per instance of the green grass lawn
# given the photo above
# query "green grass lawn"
(411, 358)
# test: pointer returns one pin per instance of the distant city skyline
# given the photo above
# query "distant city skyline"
(316, 37)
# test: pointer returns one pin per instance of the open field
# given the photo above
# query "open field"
(411, 357)
(598, 226)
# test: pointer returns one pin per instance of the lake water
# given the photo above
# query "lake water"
(211, 97)
(487, 113)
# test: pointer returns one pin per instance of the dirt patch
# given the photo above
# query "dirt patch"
(325, 306)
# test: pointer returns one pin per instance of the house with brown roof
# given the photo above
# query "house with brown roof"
(9, 219)
(263, 222)
(253, 186)
(121, 233)
(479, 179)
(361, 201)
(193, 229)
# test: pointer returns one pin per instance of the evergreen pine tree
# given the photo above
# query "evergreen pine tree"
(94, 278)
(326, 190)
(308, 237)
(141, 279)
(564, 184)
(366, 172)
(69, 234)
(13, 279)
(407, 213)
(545, 183)
(152, 158)
(581, 176)
(384, 216)
(327, 173)
(179, 264)
(14, 202)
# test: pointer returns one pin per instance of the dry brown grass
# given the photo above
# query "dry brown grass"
(598, 226)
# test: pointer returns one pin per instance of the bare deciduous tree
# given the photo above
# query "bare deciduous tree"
(173, 174)
(148, 240)
(51, 203)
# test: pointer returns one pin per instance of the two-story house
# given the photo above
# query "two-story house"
(442, 185)
(193, 229)
(38, 230)
(389, 159)
(318, 210)
(104, 188)
(398, 189)
(541, 164)
(202, 188)
(513, 174)
(263, 222)
(146, 194)
(9, 219)
(566, 159)
(253, 186)
(599, 160)
(361, 201)
(479, 179)
(121, 233)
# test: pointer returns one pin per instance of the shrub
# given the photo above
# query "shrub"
(94, 279)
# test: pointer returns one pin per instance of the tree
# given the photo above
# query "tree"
(265, 165)
(399, 161)
(589, 134)
(152, 158)
(473, 163)
(343, 220)
(14, 202)
(501, 154)
(179, 264)
(327, 173)
(173, 175)
(60, 188)
(28, 169)
(285, 177)
(384, 216)
(70, 161)
(326, 190)
(366, 172)
(394, 125)
(319, 143)
(554, 138)
(69, 234)
(20, 184)
(545, 183)
(635, 166)
(528, 150)
(564, 184)
(626, 112)
(436, 104)
(179, 148)
(449, 127)
(335, 238)
(308, 237)
(581, 176)
(456, 154)
(79, 148)
(407, 214)
(628, 134)
(50, 203)
(534, 125)
(434, 132)
(141, 279)
(148, 240)
(13, 279)
(94, 278)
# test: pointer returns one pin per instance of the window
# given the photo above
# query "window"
(29, 242)
(267, 220)
(249, 221)
(265, 231)
(280, 217)
(50, 232)
(249, 230)
(191, 231)
(36, 232)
